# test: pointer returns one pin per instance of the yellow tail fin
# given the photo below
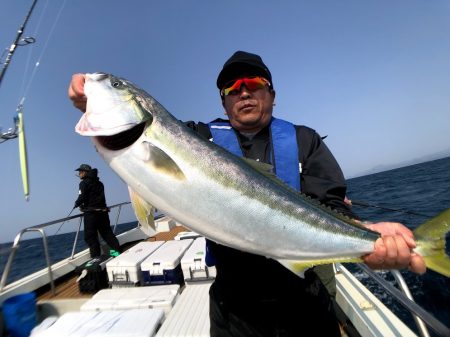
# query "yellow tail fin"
(430, 238)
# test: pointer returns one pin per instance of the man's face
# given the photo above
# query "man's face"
(249, 110)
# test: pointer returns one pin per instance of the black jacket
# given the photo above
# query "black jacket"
(91, 193)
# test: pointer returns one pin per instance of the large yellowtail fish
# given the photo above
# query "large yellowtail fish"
(229, 200)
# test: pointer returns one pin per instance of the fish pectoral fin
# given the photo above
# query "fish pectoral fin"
(144, 212)
(159, 160)
(297, 267)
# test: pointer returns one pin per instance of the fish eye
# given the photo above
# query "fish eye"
(117, 84)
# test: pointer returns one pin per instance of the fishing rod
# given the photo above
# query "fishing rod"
(14, 132)
(364, 204)
(18, 42)
(64, 221)
(18, 131)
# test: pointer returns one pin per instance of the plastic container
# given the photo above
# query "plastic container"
(19, 314)
(131, 323)
(163, 266)
(125, 270)
(190, 314)
(194, 265)
(161, 296)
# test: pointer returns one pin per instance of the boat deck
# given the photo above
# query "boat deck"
(360, 314)
(67, 287)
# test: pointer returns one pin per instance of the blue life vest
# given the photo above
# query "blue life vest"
(285, 152)
(284, 147)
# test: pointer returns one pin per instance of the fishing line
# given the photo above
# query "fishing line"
(64, 221)
(16, 42)
(27, 64)
(364, 204)
(19, 128)
(43, 51)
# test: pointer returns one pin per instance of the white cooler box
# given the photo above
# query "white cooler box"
(161, 297)
(125, 270)
(163, 266)
(190, 315)
(134, 322)
(193, 263)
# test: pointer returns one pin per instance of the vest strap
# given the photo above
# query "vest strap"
(285, 149)
(284, 145)
(225, 136)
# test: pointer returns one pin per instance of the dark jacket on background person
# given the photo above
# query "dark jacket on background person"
(91, 193)
(260, 290)
(92, 203)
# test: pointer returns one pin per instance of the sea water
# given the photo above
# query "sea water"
(422, 188)
(30, 256)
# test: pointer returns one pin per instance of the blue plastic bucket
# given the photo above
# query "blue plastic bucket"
(19, 314)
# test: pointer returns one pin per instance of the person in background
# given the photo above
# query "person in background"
(253, 295)
(91, 201)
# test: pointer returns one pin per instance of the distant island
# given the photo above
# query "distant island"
(382, 168)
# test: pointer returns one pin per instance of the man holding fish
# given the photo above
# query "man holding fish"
(253, 294)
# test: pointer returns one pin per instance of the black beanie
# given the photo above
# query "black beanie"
(243, 63)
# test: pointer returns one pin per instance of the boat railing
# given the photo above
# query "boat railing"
(40, 229)
(421, 317)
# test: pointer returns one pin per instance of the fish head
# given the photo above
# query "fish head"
(114, 105)
(120, 117)
(125, 124)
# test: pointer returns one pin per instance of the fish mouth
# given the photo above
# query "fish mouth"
(98, 76)
(121, 140)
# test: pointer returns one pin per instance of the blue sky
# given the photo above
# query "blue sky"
(372, 75)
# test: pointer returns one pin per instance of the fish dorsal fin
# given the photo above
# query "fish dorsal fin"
(144, 212)
(261, 167)
(267, 171)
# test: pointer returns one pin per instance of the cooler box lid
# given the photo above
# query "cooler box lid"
(166, 257)
(193, 261)
(162, 297)
(135, 255)
(197, 251)
(134, 322)
(190, 315)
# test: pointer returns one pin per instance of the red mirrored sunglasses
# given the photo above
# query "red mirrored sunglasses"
(251, 83)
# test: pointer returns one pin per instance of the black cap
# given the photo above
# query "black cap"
(243, 63)
(84, 167)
